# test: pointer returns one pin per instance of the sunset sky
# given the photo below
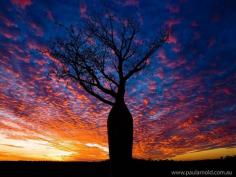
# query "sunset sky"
(183, 105)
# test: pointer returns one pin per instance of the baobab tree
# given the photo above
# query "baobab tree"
(102, 55)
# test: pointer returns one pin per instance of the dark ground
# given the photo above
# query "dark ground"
(140, 168)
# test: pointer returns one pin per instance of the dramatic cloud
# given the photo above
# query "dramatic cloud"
(83, 10)
(130, 2)
(22, 3)
(183, 105)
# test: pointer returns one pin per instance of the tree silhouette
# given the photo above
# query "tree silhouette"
(102, 55)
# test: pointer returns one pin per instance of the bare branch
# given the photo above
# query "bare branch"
(100, 53)
(154, 46)
(95, 94)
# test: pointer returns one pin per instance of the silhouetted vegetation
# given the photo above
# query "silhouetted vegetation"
(140, 168)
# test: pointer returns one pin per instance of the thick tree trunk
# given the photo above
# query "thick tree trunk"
(120, 138)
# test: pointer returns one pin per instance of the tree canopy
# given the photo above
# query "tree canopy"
(104, 53)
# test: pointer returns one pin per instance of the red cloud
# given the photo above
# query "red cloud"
(37, 29)
(7, 21)
(50, 15)
(8, 35)
(12, 34)
(83, 10)
(32, 44)
(172, 22)
(131, 2)
(172, 39)
(21, 3)
(173, 9)
(176, 48)
(194, 24)
(160, 73)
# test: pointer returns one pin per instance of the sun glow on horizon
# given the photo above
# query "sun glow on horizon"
(30, 149)
(207, 154)
(39, 150)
